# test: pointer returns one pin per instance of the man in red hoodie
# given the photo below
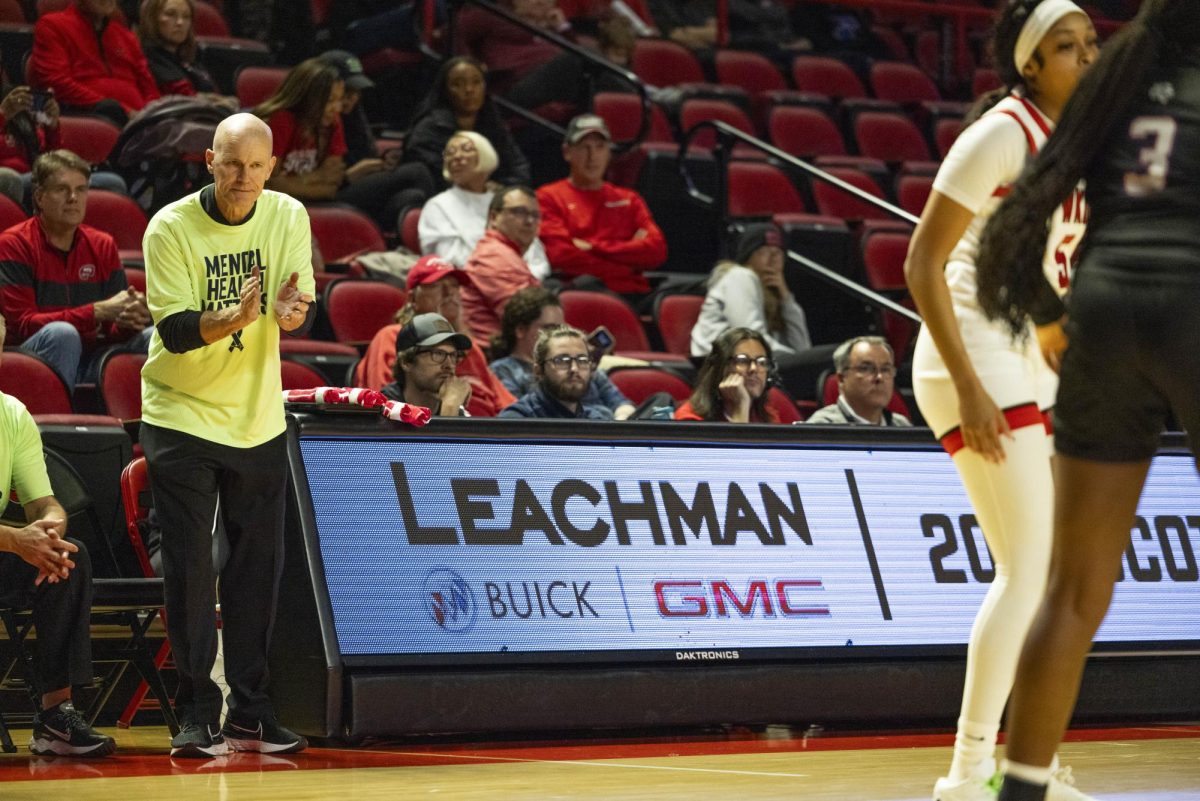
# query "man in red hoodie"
(497, 268)
(91, 60)
(591, 227)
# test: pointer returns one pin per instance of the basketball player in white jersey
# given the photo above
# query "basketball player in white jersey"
(984, 394)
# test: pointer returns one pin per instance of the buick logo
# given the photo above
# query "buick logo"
(449, 600)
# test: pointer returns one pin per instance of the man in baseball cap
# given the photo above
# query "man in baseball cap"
(428, 351)
(349, 68)
(592, 227)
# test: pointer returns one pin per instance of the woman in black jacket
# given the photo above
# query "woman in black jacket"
(459, 101)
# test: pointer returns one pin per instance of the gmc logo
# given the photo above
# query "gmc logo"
(716, 598)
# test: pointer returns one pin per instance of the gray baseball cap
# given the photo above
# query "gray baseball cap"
(427, 330)
(586, 124)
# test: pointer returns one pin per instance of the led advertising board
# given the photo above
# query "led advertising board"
(448, 551)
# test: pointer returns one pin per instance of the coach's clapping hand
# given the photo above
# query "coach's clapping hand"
(291, 305)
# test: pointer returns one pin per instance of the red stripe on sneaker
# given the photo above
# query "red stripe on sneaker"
(1027, 414)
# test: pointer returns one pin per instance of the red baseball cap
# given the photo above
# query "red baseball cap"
(430, 269)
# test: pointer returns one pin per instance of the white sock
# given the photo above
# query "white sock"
(1027, 773)
(974, 746)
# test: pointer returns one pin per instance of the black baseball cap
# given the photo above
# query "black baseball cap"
(427, 330)
(349, 68)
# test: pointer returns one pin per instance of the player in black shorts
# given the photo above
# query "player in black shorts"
(1132, 130)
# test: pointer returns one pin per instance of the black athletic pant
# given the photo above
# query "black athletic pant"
(61, 617)
(187, 477)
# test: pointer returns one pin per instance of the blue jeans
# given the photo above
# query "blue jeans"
(59, 345)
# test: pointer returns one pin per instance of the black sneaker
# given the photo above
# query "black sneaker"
(63, 731)
(266, 737)
(199, 741)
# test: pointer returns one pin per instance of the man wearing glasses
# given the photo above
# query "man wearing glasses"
(866, 370)
(497, 268)
(562, 367)
(62, 290)
(428, 351)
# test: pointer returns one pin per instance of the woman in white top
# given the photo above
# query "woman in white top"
(985, 395)
(750, 292)
(453, 222)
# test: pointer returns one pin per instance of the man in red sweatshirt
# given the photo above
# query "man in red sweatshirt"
(591, 227)
(91, 60)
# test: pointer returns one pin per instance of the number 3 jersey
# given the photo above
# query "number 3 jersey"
(1145, 188)
(978, 173)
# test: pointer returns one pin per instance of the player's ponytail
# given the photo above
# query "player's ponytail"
(1009, 265)
(1004, 42)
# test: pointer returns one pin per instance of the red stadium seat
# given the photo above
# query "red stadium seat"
(121, 384)
(343, 232)
(33, 382)
(639, 383)
(136, 278)
(889, 137)
(752, 72)
(253, 85)
(984, 81)
(299, 376)
(945, 132)
(589, 310)
(676, 316)
(660, 62)
(331, 359)
(90, 138)
(11, 11)
(902, 83)
(121, 217)
(761, 190)
(208, 21)
(836, 202)
(10, 213)
(884, 253)
(828, 76)
(410, 235)
(912, 192)
(358, 308)
(894, 43)
(698, 110)
(623, 113)
(805, 132)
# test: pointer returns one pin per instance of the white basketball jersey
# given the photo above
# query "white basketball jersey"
(979, 172)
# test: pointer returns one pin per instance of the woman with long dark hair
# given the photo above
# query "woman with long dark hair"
(733, 381)
(459, 101)
(986, 396)
(305, 115)
(1132, 132)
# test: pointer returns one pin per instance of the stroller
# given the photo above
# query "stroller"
(160, 154)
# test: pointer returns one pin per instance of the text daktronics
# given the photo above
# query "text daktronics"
(669, 516)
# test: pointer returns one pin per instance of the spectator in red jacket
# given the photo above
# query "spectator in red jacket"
(91, 61)
(591, 227)
(497, 269)
(63, 291)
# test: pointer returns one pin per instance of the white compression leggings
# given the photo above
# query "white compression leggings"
(1014, 503)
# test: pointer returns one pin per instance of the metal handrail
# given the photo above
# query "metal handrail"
(590, 59)
(726, 135)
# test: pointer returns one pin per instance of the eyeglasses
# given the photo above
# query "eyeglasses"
(564, 362)
(527, 215)
(744, 362)
(440, 356)
(867, 369)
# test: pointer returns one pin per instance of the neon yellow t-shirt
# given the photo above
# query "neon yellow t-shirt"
(228, 392)
(22, 466)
